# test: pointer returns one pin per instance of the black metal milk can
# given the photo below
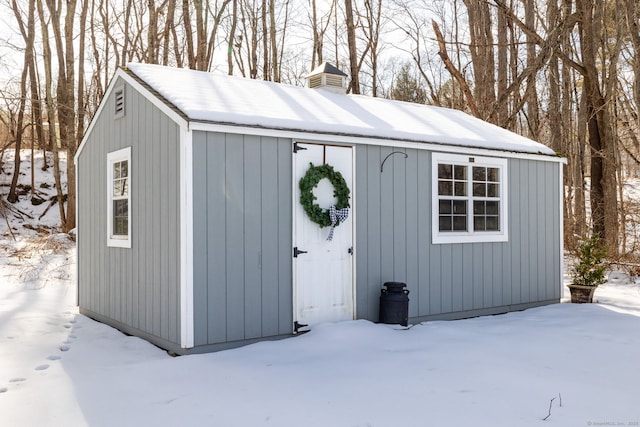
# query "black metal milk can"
(394, 304)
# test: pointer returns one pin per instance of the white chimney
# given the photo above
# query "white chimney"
(327, 77)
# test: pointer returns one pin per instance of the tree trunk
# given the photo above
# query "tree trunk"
(232, 36)
(554, 113)
(152, 33)
(533, 119)
(632, 9)
(266, 69)
(455, 73)
(274, 42)
(214, 32)
(353, 50)
(36, 107)
(65, 98)
(28, 34)
(201, 11)
(76, 137)
(188, 34)
(316, 53)
(503, 66)
(577, 159)
(169, 28)
(69, 117)
(482, 55)
(51, 110)
(601, 139)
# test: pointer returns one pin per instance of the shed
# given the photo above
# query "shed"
(191, 233)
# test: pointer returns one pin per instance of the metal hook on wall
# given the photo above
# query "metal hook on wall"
(389, 155)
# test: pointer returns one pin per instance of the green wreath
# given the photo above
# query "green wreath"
(310, 180)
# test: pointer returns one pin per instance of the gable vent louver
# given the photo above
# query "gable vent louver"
(119, 102)
(315, 81)
(333, 80)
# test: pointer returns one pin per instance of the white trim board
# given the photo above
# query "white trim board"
(561, 234)
(186, 239)
(301, 136)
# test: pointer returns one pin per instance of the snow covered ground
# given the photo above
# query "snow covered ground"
(30, 219)
(60, 368)
(576, 365)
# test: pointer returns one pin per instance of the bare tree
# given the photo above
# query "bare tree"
(482, 55)
(632, 15)
(319, 26)
(354, 84)
(51, 109)
(64, 41)
(503, 65)
(604, 204)
(232, 37)
(28, 34)
(371, 23)
(201, 29)
(533, 119)
(273, 31)
(266, 68)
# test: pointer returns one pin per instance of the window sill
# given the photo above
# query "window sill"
(478, 237)
(119, 242)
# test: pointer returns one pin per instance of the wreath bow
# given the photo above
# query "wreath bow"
(337, 217)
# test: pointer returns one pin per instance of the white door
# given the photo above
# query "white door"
(323, 288)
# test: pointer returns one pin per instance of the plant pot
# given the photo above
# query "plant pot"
(581, 294)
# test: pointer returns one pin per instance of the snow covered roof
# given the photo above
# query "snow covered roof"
(208, 97)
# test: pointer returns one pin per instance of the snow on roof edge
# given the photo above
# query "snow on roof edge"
(229, 100)
(553, 155)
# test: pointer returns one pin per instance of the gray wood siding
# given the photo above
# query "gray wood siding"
(242, 237)
(138, 287)
(393, 240)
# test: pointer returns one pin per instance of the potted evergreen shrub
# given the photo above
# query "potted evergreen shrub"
(589, 269)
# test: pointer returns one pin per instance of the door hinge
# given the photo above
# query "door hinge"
(350, 250)
(297, 147)
(297, 326)
(297, 252)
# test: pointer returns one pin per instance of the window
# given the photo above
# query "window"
(118, 203)
(118, 101)
(469, 199)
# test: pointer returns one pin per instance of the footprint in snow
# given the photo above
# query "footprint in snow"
(3, 389)
(67, 326)
(42, 367)
(54, 357)
(17, 380)
(64, 348)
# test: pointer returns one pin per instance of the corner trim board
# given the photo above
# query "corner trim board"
(561, 234)
(186, 238)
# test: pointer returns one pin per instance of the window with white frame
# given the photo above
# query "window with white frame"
(119, 198)
(469, 199)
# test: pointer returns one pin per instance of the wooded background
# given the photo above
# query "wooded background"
(562, 72)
